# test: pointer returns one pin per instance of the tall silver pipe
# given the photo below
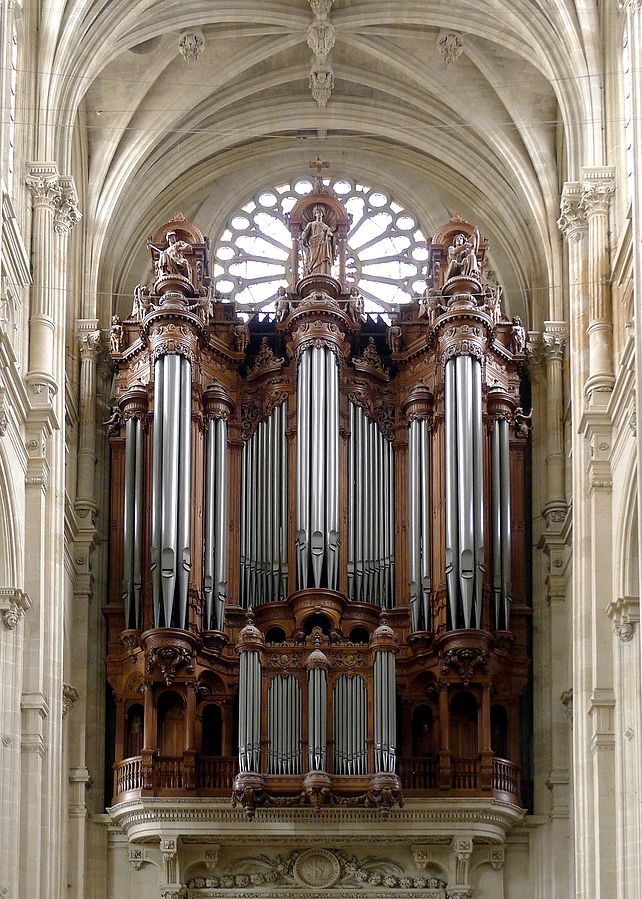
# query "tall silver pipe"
(465, 485)
(413, 520)
(359, 486)
(478, 484)
(496, 521)
(317, 702)
(283, 478)
(171, 420)
(157, 488)
(243, 537)
(275, 505)
(391, 525)
(128, 520)
(332, 475)
(221, 521)
(210, 523)
(251, 505)
(351, 505)
(425, 524)
(452, 539)
(318, 469)
(139, 511)
(184, 560)
(303, 468)
(366, 525)
(507, 587)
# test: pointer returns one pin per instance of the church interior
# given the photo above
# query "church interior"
(319, 367)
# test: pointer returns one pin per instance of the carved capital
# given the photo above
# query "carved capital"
(572, 220)
(598, 186)
(43, 183)
(631, 6)
(554, 340)
(66, 213)
(54, 192)
(496, 857)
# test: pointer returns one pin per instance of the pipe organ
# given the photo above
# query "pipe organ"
(318, 589)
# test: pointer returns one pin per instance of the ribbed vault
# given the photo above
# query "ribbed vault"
(489, 136)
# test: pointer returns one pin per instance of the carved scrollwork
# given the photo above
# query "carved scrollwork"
(466, 661)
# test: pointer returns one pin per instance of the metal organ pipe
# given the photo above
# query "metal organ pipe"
(132, 523)
(500, 487)
(371, 512)
(215, 563)
(385, 719)
(317, 710)
(264, 511)
(464, 491)
(350, 725)
(284, 726)
(171, 480)
(317, 469)
(250, 711)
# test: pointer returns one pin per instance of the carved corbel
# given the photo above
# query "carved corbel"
(462, 849)
(13, 605)
(625, 614)
(69, 697)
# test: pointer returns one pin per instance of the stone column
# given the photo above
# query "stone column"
(42, 825)
(554, 340)
(629, 651)
(597, 190)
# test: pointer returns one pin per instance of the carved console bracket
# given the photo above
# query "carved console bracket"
(13, 605)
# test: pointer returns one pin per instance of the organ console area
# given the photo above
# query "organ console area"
(318, 583)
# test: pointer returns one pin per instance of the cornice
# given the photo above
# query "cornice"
(488, 819)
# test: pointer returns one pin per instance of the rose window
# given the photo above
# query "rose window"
(387, 252)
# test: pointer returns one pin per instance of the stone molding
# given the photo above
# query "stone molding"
(14, 603)
(489, 820)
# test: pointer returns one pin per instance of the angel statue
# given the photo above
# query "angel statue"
(318, 245)
(171, 260)
(462, 257)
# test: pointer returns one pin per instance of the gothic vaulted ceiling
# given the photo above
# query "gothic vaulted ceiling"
(486, 123)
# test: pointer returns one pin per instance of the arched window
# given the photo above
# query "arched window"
(627, 90)
(387, 249)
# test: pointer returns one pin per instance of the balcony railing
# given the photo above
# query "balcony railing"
(214, 775)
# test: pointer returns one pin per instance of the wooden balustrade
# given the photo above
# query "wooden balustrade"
(215, 775)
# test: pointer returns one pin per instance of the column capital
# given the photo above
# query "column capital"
(554, 340)
(88, 335)
(55, 192)
(572, 220)
(631, 6)
(598, 186)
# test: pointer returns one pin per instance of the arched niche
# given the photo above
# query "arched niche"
(134, 730)
(424, 741)
(170, 724)
(464, 725)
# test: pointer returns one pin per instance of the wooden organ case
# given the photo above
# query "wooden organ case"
(318, 582)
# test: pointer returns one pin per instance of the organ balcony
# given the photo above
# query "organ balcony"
(318, 533)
